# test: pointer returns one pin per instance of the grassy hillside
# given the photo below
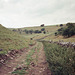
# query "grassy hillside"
(10, 40)
(48, 29)
(65, 33)
(59, 37)
(49, 35)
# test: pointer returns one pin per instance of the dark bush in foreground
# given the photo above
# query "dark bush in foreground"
(61, 59)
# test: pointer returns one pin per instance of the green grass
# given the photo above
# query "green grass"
(10, 40)
(20, 72)
(29, 57)
(27, 62)
(57, 38)
(50, 30)
(61, 59)
(50, 27)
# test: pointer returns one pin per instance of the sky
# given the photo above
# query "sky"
(25, 13)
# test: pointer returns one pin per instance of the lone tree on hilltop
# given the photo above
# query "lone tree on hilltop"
(61, 25)
(42, 25)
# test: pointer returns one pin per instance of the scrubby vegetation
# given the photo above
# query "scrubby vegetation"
(25, 31)
(67, 31)
(61, 59)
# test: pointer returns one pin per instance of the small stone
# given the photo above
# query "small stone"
(11, 58)
(14, 69)
(33, 64)
(40, 71)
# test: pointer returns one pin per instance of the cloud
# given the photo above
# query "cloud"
(21, 13)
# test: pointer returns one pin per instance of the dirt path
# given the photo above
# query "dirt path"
(38, 65)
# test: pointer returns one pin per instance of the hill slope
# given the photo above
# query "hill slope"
(49, 35)
(48, 29)
(10, 40)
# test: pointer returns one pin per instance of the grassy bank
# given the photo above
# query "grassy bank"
(61, 59)
(10, 40)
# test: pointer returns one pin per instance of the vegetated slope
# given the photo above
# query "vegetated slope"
(65, 33)
(61, 59)
(49, 35)
(59, 37)
(48, 29)
(10, 40)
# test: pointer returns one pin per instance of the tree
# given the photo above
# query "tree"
(68, 30)
(39, 32)
(42, 25)
(43, 29)
(30, 31)
(36, 31)
(44, 32)
(61, 25)
(55, 33)
(60, 31)
(26, 31)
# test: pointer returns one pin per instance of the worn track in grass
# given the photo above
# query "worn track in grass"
(38, 65)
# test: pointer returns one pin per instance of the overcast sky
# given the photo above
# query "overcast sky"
(25, 13)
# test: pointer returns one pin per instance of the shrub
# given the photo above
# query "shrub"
(67, 31)
(30, 31)
(55, 33)
(37, 31)
(43, 29)
(42, 25)
(44, 32)
(61, 25)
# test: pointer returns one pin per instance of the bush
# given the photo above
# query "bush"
(42, 25)
(30, 31)
(44, 32)
(61, 25)
(55, 33)
(37, 31)
(43, 29)
(67, 31)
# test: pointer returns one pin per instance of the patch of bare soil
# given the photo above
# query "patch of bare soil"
(40, 65)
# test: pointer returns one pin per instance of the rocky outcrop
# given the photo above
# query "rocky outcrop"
(62, 43)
